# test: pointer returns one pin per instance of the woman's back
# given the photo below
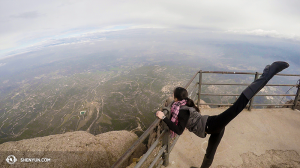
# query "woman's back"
(196, 122)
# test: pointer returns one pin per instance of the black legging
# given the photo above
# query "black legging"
(215, 125)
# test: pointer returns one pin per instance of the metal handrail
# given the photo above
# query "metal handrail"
(191, 80)
(211, 94)
(153, 146)
(128, 153)
(243, 84)
(245, 73)
(216, 104)
(158, 156)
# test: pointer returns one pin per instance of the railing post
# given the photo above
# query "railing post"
(199, 89)
(166, 140)
(250, 103)
(296, 97)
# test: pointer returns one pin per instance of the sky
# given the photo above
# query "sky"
(25, 24)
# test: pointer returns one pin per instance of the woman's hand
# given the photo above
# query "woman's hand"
(159, 114)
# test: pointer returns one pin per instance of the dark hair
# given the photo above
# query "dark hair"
(181, 93)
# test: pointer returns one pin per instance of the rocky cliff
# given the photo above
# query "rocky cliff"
(291, 102)
(72, 149)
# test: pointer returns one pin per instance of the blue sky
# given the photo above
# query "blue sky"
(31, 23)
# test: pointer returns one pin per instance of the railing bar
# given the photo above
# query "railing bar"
(162, 134)
(215, 104)
(286, 74)
(160, 163)
(136, 144)
(188, 84)
(225, 72)
(277, 95)
(166, 138)
(273, 104)
(174, 142)
(211, 94)
(245, 84)
(280, 85)
(149, 151)
(194, 99)
(193, 89)
(158, 156)
(246, 73)
(199, 88)
(297, 96)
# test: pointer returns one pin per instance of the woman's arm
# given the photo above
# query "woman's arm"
(183, 117)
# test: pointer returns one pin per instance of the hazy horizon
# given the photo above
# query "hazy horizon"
(32, 25)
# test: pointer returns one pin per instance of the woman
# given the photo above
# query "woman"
(184, 113)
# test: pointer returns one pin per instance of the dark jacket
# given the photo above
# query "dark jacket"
(188, 118)
(196, 122)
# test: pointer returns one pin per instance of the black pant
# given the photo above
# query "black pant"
(215, 125)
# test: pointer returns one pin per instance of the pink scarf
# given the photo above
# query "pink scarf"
(174, 113)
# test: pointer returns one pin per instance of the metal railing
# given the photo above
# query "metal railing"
(164, 135)
(239, 84)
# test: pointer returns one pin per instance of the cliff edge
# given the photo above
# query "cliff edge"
(71, 149)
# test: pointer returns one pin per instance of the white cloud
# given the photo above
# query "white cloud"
(27, 15)
(266, 33)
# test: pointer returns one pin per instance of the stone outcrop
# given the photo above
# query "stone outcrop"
(72, 149)
(291, 102)
(203, 106)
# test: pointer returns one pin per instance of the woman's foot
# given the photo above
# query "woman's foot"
(268, 73)
(206, 162)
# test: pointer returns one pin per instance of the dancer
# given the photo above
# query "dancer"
(184, 113)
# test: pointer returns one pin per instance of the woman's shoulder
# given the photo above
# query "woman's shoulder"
(184, 109)
(187, 108)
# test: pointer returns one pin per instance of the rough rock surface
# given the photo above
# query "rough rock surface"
(72, 149)
(271, 159)
(203, 106)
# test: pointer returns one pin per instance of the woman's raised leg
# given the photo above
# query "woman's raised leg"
(268, 73)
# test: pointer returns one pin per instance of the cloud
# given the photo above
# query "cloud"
(88, 37)
(27, 15)
(266, 33)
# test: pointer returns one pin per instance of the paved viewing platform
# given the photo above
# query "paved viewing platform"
(256, 138)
